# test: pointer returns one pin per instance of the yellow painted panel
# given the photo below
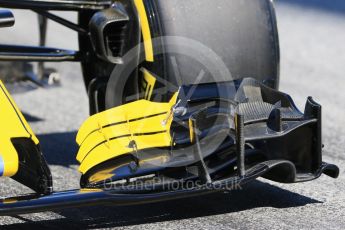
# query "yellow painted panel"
(109, 134)
(145, 28)
(150, 81)
(120, 146)
(151, 124)
(13, 125)
(121, 114)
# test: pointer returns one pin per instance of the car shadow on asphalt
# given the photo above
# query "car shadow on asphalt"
(31, 118)
(59, 148)
(257, 194)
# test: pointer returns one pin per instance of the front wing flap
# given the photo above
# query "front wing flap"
(218, 129)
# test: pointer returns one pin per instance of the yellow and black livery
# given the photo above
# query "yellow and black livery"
(142, 145)
(20, 155)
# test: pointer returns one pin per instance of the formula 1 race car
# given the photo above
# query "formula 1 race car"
(184, 101)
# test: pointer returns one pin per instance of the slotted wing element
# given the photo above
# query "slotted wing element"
(125, 129)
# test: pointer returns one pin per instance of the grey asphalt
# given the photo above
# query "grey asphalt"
(312, 63)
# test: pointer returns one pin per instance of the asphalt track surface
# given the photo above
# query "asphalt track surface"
(312, 63)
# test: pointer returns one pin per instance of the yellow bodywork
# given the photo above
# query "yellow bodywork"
(145, 30)
(13, 125)
(125, 129)
(148, 84)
